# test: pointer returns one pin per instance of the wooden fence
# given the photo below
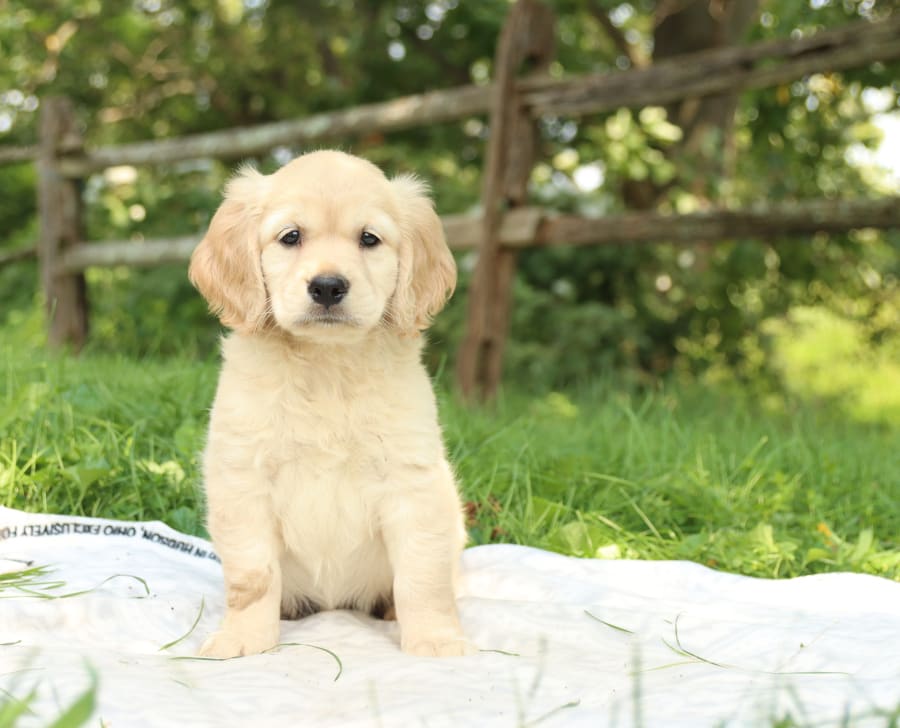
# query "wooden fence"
(513, 103)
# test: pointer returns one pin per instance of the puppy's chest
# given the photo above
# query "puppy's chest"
(324, 511)
(327, 470)
(319, 438)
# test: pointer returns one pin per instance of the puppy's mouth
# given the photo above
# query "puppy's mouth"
(325, 318)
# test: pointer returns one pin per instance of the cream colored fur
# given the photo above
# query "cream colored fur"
(326, 478)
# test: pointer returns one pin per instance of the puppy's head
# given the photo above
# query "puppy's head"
(326, 246)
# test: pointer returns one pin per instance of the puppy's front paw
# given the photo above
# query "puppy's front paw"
(224, 644)
(439, 647)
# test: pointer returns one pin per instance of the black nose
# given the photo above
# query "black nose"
(328, 290)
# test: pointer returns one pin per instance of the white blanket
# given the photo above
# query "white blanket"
(566, 642)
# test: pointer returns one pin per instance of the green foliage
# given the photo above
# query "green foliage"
(158, 69)
(13, 708)
(835, 359)
(757, 485)
(149, 312)
(78, 713)
(18, 207)
(680, 472)
(769, 487)
(101, 435)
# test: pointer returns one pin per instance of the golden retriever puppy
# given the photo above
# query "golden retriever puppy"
(326, 478)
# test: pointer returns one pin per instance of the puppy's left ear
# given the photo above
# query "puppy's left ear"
(427, 275)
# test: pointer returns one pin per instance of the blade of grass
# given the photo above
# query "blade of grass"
(641, 514)
(687, 653)
(554, 711)
(188, 633)
(199, 658)
(23, 574)
(694, 657)
(12, 709)
(608, 624)
(315, 647)
(79, 712)
(679, 649)
(34, 594)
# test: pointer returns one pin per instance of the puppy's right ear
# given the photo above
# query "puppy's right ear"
(225, 266)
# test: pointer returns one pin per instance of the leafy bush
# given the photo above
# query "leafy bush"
(577, 310)
(821, 355)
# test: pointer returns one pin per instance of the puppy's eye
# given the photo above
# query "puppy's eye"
(369, 240)
(291, 237)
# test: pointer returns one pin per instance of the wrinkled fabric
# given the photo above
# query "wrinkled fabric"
(565, 642)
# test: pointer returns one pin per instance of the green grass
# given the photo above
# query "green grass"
(755, 485)
(684, 472)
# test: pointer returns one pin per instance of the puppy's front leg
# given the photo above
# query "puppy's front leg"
(423, 543)
(243, 531)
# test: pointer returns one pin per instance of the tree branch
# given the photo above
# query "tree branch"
(615, 34)
(452, 70)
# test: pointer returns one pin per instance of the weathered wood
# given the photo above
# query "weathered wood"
(13, 155)
(526, 227)
(463, 231)
(507, 224)
(761, 222)
(716, 71)
(695, 75)
(129, 253)
(527, 36)
(14, 256)
(59, 209)
(430, 108)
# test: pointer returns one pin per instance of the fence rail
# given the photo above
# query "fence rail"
(765, 222)
(528, 227)
(402, 113)
(724, 70)
(11, 155)
(514, 104)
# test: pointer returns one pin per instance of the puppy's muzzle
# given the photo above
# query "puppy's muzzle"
(328, 290)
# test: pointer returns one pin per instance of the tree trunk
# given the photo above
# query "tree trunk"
(689, 26)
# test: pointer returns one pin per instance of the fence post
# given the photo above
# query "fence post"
(59, 209)
(527, 39)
